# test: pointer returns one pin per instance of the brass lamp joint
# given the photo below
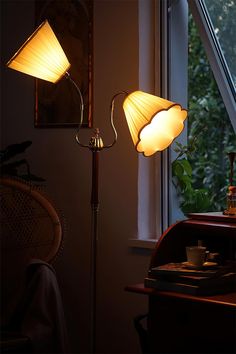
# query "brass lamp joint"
(96, 143)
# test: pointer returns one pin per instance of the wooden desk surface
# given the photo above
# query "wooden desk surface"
(227, 300)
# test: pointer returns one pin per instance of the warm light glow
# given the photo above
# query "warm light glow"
(41, 56)
(153, 121)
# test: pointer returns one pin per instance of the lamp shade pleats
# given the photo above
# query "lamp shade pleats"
(41, 56)
(153, 121)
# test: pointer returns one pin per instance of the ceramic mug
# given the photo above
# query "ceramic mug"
(196, 255)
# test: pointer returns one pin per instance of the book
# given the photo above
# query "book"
(210, 286)
(186, 279)
(175, 270)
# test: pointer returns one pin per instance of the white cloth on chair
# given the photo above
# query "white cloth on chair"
(42, 316)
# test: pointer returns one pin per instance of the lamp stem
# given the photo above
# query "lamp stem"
(67, 76)
(95, 146)
(93, 255)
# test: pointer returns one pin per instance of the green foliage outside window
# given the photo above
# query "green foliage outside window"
(201, 169)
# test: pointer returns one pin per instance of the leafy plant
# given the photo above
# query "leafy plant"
(191, 199)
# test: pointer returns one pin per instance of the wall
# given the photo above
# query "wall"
(66, 167)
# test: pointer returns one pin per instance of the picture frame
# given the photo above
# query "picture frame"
(58, 105)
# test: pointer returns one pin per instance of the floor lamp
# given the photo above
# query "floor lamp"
(153, 122)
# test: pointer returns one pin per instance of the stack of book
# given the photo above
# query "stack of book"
(179, 278)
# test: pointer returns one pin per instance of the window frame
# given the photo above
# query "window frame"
(215, 57)
(153, 172)
(157, 202)
(149, 169)
(177, 83)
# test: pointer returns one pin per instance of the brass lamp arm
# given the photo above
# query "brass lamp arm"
(67, 75)
(112, 107)
(96, 141)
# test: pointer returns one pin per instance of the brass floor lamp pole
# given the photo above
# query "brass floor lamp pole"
(93, 254)
(95, 146)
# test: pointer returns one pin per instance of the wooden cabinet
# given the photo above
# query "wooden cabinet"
(182, 323)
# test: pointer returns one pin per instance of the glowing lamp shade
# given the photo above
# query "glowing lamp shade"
(153, 121)
(41, 56)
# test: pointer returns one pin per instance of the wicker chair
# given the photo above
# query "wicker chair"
(31, 228)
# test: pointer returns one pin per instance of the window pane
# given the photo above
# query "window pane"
(209, 127)
(223, 15)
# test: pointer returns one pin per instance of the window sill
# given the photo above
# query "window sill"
(142, 243)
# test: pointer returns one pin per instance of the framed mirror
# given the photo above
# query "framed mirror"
(58, 105)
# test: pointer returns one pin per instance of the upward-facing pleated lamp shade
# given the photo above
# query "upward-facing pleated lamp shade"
(153, 121)
(41, 56)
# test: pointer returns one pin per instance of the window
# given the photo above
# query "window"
(208, 123)
(155, 208)
(215, 20)
(176, 69)
(210, 131)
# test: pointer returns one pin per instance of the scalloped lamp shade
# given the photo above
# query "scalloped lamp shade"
(41, 56)
(153, 121)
